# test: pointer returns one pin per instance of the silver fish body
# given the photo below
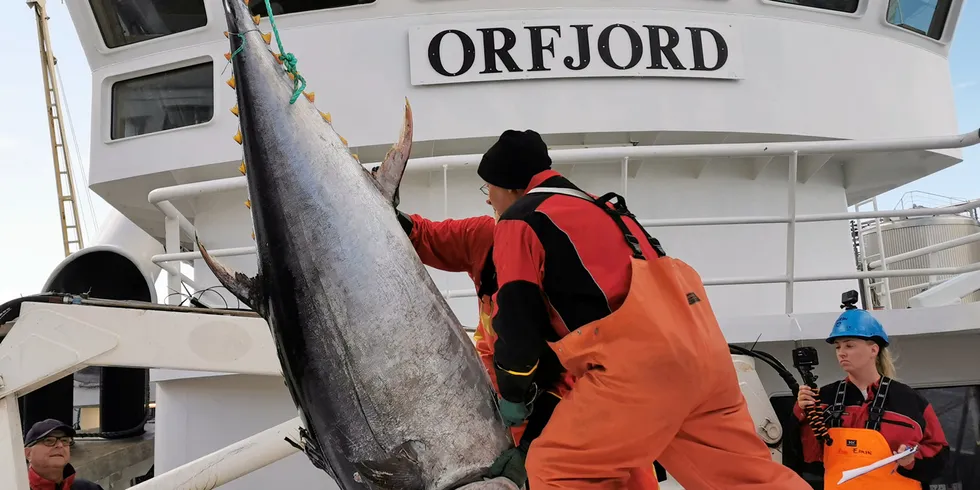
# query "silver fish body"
(389, 387)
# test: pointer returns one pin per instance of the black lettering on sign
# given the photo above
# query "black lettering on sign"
(636, 47)
(658, 50)
(544, 47)
(538, 47)
(491, 51)
(435, 53)
(720, 45)
(584, 51)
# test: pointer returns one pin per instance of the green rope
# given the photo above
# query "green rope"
(288, 60)
(241, 46)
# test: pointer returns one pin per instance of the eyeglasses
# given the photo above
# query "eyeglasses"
(53, 441)
(485, 189)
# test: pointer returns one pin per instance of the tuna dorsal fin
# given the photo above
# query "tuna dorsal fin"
(243, 287)
(389, 175)
(400, 471)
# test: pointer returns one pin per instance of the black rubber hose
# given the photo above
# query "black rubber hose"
(767, 358)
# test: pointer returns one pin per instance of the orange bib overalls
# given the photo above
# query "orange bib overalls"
(854, 448)
(655, 381)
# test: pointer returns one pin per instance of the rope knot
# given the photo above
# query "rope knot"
(289, 62)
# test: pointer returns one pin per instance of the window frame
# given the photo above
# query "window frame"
(108, 111)
(862, 8)
(953, 9)
(105, 49)
(265, 18)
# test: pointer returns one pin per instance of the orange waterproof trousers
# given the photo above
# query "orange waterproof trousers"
(655, 382)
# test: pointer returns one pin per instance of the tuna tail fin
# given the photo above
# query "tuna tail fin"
(243, 287)
(400, 471)
(389, 175)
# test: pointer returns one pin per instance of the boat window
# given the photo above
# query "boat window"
(926, 17)
(162, 101)
(293, 6)
(124, 22)
(958, 411)
(847, 6)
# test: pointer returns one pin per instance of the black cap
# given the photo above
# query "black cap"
(41, 430)
(514, 159)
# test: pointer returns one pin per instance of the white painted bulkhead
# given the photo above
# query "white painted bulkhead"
(802, 74)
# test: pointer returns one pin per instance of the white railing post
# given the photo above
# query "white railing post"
(172, 246)
(881, 256)
(865, 262)
(626, 172)
(794, 159)
(231, 462)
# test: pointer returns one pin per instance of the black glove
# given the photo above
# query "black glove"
(510, 465)
(404, 220)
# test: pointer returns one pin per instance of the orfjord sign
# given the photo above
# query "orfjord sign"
(543, 48)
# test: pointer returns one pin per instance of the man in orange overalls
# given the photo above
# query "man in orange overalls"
(466, 245)
(654, 377)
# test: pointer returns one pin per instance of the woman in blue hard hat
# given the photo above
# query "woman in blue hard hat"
(870, 416)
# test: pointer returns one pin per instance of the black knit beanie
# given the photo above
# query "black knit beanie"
(514, 159)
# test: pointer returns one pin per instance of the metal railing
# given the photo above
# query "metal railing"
(177, 223)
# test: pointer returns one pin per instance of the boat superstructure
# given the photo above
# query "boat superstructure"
(740, 132)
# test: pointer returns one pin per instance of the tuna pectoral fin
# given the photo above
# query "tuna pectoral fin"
(400, 471)
(389, 175)
(243, 287)
(499, 483)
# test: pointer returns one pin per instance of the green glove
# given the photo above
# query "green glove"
(514, 414)
(510, 465)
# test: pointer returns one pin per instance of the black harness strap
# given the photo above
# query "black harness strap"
(836, 411)
(875, 413)
(877, 410)
(616, 213)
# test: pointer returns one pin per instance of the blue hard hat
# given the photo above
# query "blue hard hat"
(858, 324)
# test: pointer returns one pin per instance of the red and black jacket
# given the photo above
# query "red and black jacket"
(70, 482)
(455, 245)
(561, 263)
(907, 418)
(466, 245)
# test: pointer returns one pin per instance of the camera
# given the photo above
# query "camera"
(804, 360)
(805, 357)
(848, 300)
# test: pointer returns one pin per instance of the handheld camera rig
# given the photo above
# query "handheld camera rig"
(804, 360)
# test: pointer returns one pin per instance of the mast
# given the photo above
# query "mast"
(68, 207)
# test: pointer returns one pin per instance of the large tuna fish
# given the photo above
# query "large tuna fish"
(387, 383)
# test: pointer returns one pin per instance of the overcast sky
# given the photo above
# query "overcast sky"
(31, 233)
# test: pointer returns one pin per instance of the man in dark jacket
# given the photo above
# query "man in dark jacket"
(47, 447)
